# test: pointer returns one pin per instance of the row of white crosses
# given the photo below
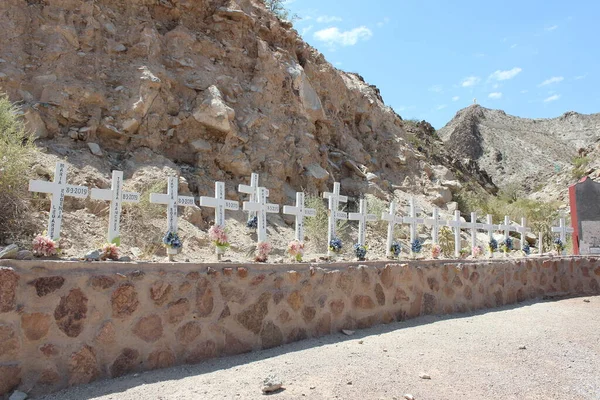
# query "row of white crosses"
(259, 207)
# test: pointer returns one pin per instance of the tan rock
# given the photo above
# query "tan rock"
(49, 350)
(83, 367)
(213, 112)
(124, 300)
(125, 363)
(10, 377)
(8, 286)
(204, 298)
(188, 332)
(252, 317)
(160, 292)
(379, 295)
(308, 314)
(71, 312)
(9, 343)
(271, 335)
(363, 302)
(295, 300)
(46, 285)
(337, 307)
(49, 377)
(202, 351)
(149, 328)
(101, 282)
(177, 310)
(35, 326)
(161, 359)
(106, 334)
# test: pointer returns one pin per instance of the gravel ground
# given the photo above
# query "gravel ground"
(543, 350)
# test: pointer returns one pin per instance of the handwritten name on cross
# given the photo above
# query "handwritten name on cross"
(334, 214)
(117, 197)
(219, 203)
(392, 220)
(457, 224)
(172, 200)
(59, 189)
(261, 207)
(413, 220)
(252, 190)
(563, 229)
(522, 230)
(362, 217)
(299, 211)
(435, 222)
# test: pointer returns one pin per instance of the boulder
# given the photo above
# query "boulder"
(213, 112)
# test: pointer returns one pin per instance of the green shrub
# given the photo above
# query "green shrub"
(579, 166)
(16, 149)
(377, 207)
(446, 241)
(315, 228)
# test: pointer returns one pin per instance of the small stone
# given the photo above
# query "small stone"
(24, 255)
(347, 332)
(95, 149)
(17, 395)
(9, 252)
(424, 376)
(586, 300)
(120, 48)
(271, 384)
(125, 259)
(92, 256)
(361, 341)
(349, 383)
(522, 348)
(409, 396)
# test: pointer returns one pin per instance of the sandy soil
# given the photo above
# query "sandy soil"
(468, 356)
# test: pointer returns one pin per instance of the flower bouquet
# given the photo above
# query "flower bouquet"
(477, 251)
(492, 246)
(416, 246)
(395, 249)
(559, 246)
(218, 236)
(43, 246)
(109, 251)
(296, 250)
(172, 242)
(506, 245)
(262, 251)
(436, 251)
(360, 251)
(335, 245)
(252, 223)
(526, 249)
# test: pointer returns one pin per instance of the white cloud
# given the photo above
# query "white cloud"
(552, 98)
(513, 46)
(551, 28)
(580, 77)
(306, 30)
(554, 79)
(495, 95)
(436, 89)
(505, 75)
(470, 81)
(441, 107)
(385, 21)
(524, 91)
(495, 86)
(479, 55)
(455, 98)
(333, 36)
(325, 19)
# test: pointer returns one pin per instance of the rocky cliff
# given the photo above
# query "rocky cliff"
(513, 149)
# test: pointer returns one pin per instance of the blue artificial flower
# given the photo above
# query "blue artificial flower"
(493, 244)
(526, 249)
(559, 245)
(252, 223)
(508, 243)
(335, 245)
(172, 240)
(396, 249)
(416, 246)
(360, 251)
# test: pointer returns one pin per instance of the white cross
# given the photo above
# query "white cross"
(540, 244)
(435, 222)
(300, 212)
(522, 230)
(261, 207)
(362, 217)
(474, 228)
(59, 189)
(563, 229)
(252, 190)
(413, 220)
(219, 203)
(117, 197)
(489, 227)
(334, 214)
(392, 220)
(172, 200)
(456, 223)
(507, 227)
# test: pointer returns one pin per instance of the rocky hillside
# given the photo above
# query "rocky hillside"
(521, 150)
(210, 90)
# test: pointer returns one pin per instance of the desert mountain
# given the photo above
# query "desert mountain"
(520, 150)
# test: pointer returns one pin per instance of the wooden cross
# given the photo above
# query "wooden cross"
(413, 220)
(334, 214)
(522, 230)
(507, 227)
(59, 189)
(172, 200)
(300, 212)
(252, 190)
(457, 224)
(117, 197)
(362, 217)
(563, 229)
(219, 203)
(435, 222)
(489, 227)
(261, 207)
(392, 220)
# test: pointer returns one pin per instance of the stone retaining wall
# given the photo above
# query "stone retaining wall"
(67, 323)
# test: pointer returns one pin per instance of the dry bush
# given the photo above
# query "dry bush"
(315, 228)
(16, 148)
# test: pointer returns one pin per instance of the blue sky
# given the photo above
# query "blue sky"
(530, 58)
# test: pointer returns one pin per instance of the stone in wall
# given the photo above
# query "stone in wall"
(8, 286)
(204, 298)
(10, 377)
(125, 363)
(83, 366)
(46, 285)
(160, 292)
(35, 326)
(124, 300)
(9, 343)
(252, 317)
(149, 328)
(271, 335)
(161, 359)
(71, 312)
(188, 332)
(102, 282)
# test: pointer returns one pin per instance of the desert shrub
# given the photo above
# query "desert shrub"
(315, 228)
(579, 166)
(446, 241)
(377, 206)
(138, 219)
(16, 149)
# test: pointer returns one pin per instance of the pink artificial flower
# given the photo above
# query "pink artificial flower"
(217, 234)
(263, 249)
(43, 246)
(296, 249)
(109, 251)
(436, 250)
(477, 251)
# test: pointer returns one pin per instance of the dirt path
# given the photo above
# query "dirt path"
(468, 356)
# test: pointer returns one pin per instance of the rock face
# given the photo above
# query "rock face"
(513, 149)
